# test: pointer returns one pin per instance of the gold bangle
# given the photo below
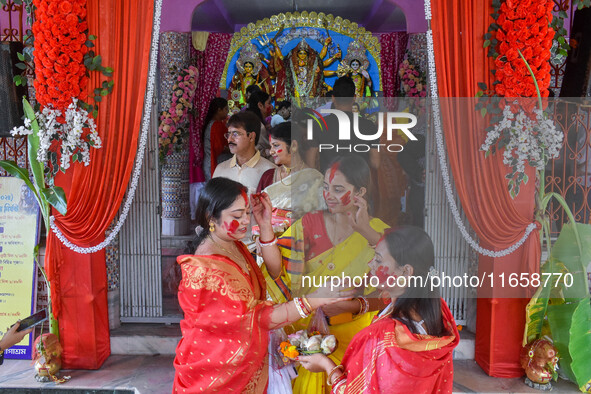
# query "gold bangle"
(307, 303)
(328, 379)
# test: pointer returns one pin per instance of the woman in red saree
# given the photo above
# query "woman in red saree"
(222, 293)
(409, 346)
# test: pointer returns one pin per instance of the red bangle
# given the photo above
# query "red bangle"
(264, 243)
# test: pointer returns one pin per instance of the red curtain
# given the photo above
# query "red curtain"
(210, 64)
(95, 193)
(499, 221)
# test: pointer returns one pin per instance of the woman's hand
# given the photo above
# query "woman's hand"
(262, 210)
(12, 337)
(317, 363)
(348, 306)
(327, 296)
(359, 220)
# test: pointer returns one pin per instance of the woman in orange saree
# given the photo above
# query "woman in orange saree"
(409, 346)
(222, 293)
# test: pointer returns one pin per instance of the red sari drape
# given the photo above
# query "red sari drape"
(499, 221)
(225, 329)
(95, 193)
(386, 357)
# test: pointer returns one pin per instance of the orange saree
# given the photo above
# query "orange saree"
(386, 357)
(225, 329)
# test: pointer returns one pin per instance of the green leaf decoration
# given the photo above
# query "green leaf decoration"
(92, 37)
(21, 66)
(33, 147)
(486, 43)
(20, 56)
(57, 198)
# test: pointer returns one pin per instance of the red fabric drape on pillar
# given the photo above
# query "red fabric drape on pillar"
(210, 64)
(461, 62)
(79, 282)
(391, 56)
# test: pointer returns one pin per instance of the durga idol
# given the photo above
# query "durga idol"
(301, 73)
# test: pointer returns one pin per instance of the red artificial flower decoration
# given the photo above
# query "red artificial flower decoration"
(524, 26)
(60, 35)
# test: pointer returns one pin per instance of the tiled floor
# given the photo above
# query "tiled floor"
(154, 374)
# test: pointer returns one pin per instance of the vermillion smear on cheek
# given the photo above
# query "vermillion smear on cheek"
(279, 150)
(382, 274)
(333, 170)
(346, 199)
(324, 194)
(231, 228)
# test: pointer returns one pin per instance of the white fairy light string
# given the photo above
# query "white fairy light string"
(141, 150)
(441, 155)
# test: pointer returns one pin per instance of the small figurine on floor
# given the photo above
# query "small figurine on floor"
(47, 356)
(539, 358)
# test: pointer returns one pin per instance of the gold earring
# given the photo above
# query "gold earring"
(211, 227)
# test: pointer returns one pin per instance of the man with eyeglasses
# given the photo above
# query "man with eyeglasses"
(246, 166)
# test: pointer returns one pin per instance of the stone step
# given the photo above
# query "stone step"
(152, 339)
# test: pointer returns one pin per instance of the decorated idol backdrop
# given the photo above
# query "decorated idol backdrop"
(301, 55)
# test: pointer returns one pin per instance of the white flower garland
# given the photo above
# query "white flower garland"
(531, 141)
(141, 148)
(69, 133)
(441, 154)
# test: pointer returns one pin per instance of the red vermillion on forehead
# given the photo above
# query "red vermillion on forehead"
(245, 197)
(346, 198)
(333, 170)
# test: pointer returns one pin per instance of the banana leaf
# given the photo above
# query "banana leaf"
(566, 251)
(569, 315)
(535, 311)
(33, 147)
(570, 324)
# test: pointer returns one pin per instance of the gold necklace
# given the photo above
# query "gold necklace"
(236, 257)
(289, 171)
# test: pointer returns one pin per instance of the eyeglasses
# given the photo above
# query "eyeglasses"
(234, 134)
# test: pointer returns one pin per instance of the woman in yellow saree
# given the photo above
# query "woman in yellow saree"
(337, 242)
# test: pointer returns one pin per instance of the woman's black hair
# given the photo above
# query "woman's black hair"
(282, 132)
(215, 105)
(412, 245)
(355, 169)
(217, 195)
(255, 98)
